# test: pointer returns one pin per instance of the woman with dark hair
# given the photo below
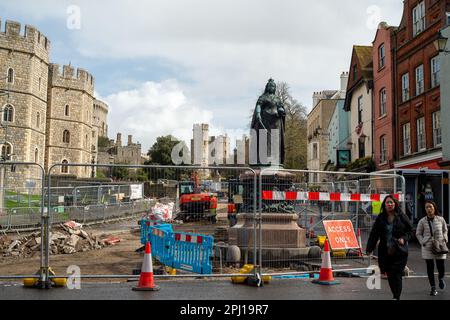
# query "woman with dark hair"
(393, 229)
(429, 227)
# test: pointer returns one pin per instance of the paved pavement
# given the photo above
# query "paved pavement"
(290, 289)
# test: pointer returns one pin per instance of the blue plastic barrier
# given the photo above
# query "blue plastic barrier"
(184, 251)
(146, 226)
(192, 252)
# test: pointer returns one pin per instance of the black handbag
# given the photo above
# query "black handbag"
(401, 249)
(438, 247)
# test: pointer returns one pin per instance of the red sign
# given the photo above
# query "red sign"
(340, 234)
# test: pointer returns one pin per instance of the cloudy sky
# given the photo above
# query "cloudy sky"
(163, 65)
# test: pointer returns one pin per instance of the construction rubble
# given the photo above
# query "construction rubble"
(67, 238)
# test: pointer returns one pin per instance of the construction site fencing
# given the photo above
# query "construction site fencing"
(195, 201)
(272, 219)
(293, 209)
(21, 211)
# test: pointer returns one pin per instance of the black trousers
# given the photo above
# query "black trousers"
(395, 267)
(395, 282)
(430, 270)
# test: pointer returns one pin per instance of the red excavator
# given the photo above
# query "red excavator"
(195, 204)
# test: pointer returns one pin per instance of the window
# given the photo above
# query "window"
(8, 113)
(64, 167)
(383, 99)
(362, 149)
(419, 80)
(383, 150)
(38, 120)
(448, 18)
(67, 110)
(437, 138)
(381, 56)
(421, 139)
(10, 78)
(419, 18)
(36, 155)
(315, 151)
(355, 72)
(6, 152)
(360, 109)
(40, 80)
(405, 87)
(66, 136)
(435, 72)
(406, 129)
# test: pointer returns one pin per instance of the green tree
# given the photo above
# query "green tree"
(161, 154)
(103, 142)
(161, 151)
(296, 129)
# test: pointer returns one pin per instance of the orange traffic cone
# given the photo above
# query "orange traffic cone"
(326, 271)
(146, 281)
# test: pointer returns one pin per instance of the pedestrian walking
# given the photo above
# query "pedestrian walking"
(433, 227)
(393, 230)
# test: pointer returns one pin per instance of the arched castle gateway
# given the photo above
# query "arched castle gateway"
(45, 101)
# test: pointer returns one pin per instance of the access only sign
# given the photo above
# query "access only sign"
(341, 235)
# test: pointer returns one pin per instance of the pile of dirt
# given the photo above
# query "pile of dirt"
(67, 238)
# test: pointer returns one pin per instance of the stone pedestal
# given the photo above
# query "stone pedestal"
(279, 230)
(283, 241)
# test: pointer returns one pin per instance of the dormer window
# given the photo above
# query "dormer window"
(419, 18)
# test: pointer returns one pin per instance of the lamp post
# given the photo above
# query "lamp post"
(4, 156)
(441, 44)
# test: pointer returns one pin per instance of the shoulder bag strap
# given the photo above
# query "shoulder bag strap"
(431, 229)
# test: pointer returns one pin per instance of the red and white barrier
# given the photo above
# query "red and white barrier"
(325, 196)
(188, 238)
(158, 233)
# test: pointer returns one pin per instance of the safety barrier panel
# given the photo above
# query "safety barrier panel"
(192, 252)
(324, 196)
(184, 251)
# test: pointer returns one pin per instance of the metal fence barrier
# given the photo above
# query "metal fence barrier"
(273, 219)
(293, 210)
(200, 200)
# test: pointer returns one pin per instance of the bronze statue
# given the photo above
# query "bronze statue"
(269, 115)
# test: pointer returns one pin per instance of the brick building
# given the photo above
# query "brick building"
(417, 77)
(383, 100)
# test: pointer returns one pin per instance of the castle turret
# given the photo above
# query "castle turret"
(70, 118)
(24, 57)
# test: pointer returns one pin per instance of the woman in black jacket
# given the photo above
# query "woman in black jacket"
(393, 229)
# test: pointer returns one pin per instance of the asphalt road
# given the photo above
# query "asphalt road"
(290, 289)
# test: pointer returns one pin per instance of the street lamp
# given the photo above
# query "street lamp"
(441, 43)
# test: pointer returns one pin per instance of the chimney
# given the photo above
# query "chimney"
(344, 81)
(316, 98)
(130, 139)
(119, 140)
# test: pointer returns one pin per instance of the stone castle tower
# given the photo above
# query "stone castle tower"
(24, 61)
(50, 114)
(100, 118)
(69, 119)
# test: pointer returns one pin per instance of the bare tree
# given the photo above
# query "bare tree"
(296, 129)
